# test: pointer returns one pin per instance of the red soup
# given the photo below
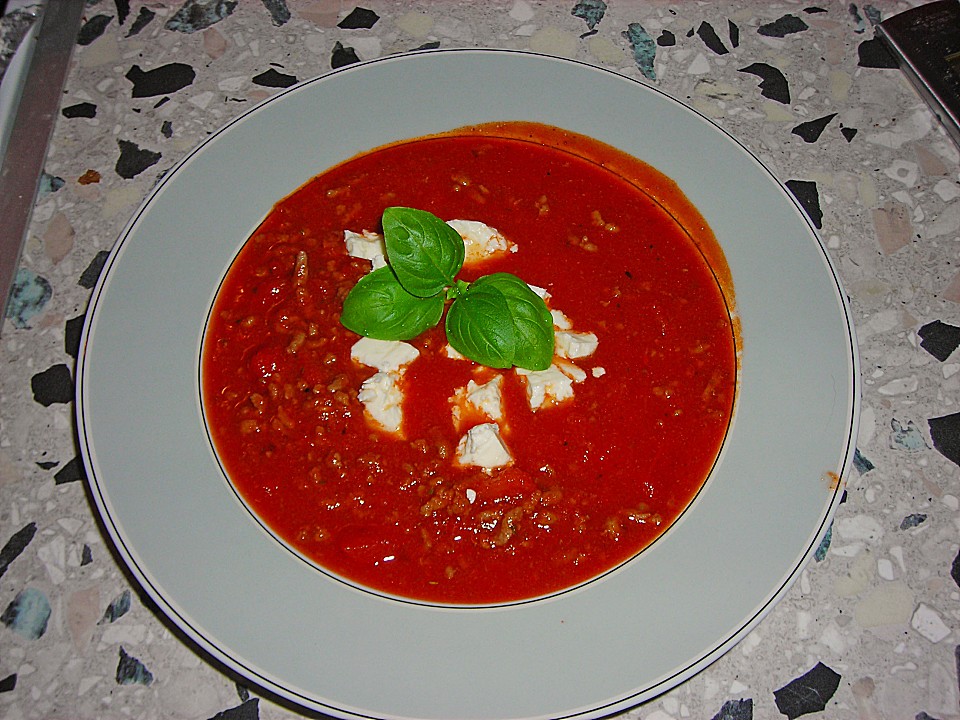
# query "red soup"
(597, 466)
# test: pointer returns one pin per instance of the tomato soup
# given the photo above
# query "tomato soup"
(592, 480)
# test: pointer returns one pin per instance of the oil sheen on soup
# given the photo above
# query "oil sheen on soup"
(413, 471)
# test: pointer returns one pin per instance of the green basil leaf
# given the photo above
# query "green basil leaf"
(532, 322)
(424, 252)
(479, 326)
(380, 308)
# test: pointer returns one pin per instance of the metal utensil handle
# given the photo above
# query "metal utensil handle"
(30, 134)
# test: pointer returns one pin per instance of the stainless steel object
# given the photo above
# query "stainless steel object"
(30, 132)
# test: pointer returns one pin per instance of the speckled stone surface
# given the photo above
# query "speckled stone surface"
(872, 629)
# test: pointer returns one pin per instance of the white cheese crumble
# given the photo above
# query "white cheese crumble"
(382, 399)
(598, 371)
(574, 372)
(480, 241)
(574, 345)
(384, 355)
(546, 387)
(483, 447)
(543, 293)
(561, 321)
(485, 398)
(451, 353)
(366, 245)
(380, 394)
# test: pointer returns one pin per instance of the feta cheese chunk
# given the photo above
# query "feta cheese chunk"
(483, 447)
(574, 372)
(542, 292)
(383, 400)
(598, 371)
(384, 355)
(574, 345)
(561, 321)
(480, 241)
(365, 245)
(484, 399)
(449, 351)
(546, 387)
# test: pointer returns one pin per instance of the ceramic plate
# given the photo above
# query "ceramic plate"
(263, 612)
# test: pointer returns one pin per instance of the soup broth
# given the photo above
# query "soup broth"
(593, 477)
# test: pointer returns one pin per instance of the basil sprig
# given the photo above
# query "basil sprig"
(496, 320)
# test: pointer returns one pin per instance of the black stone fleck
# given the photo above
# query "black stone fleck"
(939, 339)
(667, 39)
(16, 545)
(144, 18)
(53, 385)
(811, 130)
(945, 433)
(736, 710)
(813, 10)
(874, 54)
(690, 32)
(279, 12)
(710, 38)
(130, 670)
(783, 26)
(808, 693)
(432, 45)
(873, 14)
(861, 463)
(848, 132)
(359, 19)
(134, 160)
(166, 129)
(591, 11)
(93, 28)
(81, 110)
(923, 715)
(773, 84)
(123, 10)
(47, 464)
(806, 193)
(956, 659)
(342, 56)
(118, 608)
(8, 683)
(912, 521)
(272, 78)
(243, 692)
(86, 555)
(160, 81)
(248, 710)
(955, 571)
(73, 471)
(71, 335)
(88, 278)
(200, 14)
(733, 30)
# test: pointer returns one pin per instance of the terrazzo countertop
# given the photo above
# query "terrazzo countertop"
(872, 628)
